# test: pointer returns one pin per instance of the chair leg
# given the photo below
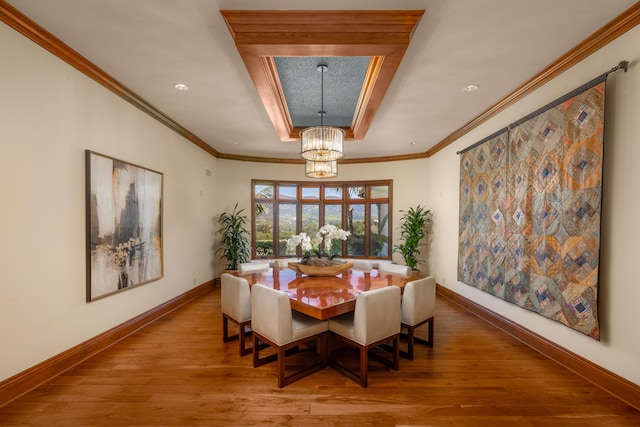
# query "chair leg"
(281, 367)
(243, 331)
(324, 350)
(225, 329)
(430, 336)
(412, 338)
(256, 350)
(352, 375)
(396, 352)
(362, 377)
(319, 341)
(411, 331)
(260, 343)
(364, 366)
(281, 353)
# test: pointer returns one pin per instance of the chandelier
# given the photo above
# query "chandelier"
(316, 169)
(322, 143)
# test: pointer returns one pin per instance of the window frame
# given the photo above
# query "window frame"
(322, 201)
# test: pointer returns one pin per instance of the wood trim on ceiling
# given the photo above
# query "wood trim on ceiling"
(611, 31)
(624, 22)
(34, 32)
(262, 35)
(614, 29)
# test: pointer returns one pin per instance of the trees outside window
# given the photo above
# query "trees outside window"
(282, 209)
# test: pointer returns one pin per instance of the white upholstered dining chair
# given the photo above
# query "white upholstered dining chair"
(387, 267)
(253, 267)
(236, 307)
(418, 308)
(375, 321)
(274, 323)
(362, 264)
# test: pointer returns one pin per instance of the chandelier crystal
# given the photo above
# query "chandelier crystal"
(322, 143)
(315, 169)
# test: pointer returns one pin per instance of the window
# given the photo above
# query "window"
(282, 209)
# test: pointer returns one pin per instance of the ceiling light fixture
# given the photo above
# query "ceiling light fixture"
(322, 143)
(315, 169)
(181, 87)
(471, 88)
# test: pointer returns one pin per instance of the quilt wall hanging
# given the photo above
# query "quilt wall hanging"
(530, 210)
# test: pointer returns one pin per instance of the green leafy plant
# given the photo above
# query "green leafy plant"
(234, 247)
(413, 228)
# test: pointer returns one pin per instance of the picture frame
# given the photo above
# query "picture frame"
(123, 225)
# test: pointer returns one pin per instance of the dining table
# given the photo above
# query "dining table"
(323, 297)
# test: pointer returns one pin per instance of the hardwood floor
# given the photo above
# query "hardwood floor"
(177, 372)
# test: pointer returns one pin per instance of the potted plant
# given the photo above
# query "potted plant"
(413, 228)
(234, 247)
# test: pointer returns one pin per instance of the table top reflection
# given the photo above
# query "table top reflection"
(323, 297)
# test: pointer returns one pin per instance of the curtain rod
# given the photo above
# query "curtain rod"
(623, 65)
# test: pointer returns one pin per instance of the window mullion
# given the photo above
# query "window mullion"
(362, 199)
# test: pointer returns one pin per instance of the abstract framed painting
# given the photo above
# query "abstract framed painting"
(123, 225)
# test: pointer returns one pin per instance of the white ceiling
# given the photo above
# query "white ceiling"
(149, 45)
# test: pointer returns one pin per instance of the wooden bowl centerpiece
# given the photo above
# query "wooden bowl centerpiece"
(320, 270)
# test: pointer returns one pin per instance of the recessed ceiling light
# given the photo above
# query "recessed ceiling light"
(413, 143)
(181, 86)
(471, 88)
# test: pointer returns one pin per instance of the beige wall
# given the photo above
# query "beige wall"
(619, 349)
(234, 181)
(51, 114)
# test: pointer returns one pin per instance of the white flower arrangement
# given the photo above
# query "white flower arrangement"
(327, 232)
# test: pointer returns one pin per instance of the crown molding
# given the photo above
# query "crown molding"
(383, 35)
(609, 32)
(34, 32)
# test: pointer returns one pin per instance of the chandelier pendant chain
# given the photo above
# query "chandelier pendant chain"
(322, 68)
(322, 146)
